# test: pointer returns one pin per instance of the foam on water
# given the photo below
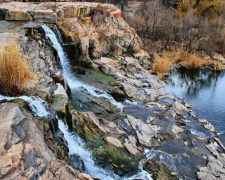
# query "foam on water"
(72, 81)
(37, 105)
(197, 133)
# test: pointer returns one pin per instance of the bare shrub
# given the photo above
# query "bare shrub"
(14, 71)
(162, 66)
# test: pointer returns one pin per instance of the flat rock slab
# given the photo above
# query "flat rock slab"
(45, 12)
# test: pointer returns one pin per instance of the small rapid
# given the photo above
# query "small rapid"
(37, 105)
(72, 81)
(77, 146)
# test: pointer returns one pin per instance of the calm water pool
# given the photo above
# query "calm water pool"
(205, 90)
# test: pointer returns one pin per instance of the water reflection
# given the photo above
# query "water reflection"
(195, 80)
(205, 90)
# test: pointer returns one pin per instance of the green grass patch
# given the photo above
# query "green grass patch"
(102, 76)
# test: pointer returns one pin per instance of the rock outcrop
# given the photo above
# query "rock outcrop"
(24, 152)
(95, 29)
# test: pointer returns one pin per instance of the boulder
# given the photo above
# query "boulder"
(60, 99)
(12, 15)
(103, 125)
(176, 129)
(130, 145)
(212, 148)
(46, 16)
(114, 141)
(42, 91)
(131, 92)
(209, 126)
(215, 169)
(145, 132)
(178, 108)
(83, 176)
(155, 93)
(110, 67)
(144, 59)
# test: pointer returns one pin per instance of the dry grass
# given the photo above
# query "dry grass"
(190, 60)
(193, 61)
(14, 71)
(217, 66)
(162, 66)
(183, 58)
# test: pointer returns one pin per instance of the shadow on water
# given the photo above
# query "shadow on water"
(205, 91)
(195, 80)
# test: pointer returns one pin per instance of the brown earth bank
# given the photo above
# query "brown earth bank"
(153, 119)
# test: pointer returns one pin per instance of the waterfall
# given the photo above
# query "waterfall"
(76, 146)
(37, 105)
(72, 81)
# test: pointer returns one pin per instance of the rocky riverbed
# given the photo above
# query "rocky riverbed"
(105, 94)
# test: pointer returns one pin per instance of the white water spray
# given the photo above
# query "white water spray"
(37, 105)
(76, 146)
(73, 82)
(75, 143)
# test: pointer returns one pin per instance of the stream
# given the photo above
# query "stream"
(75, 143)
(205, 91)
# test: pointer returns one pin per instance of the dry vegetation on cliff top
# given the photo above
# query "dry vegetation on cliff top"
(14, 70)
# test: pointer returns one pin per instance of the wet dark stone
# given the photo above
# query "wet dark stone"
(53, 125)
(176, 157)
(69, 118)
(76, 162)
(139, 111)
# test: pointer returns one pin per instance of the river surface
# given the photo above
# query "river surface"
(205, 90)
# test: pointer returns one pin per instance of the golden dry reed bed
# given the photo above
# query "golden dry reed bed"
(182, 58)
(14, 71)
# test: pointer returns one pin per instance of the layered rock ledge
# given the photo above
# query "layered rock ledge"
(90, 29)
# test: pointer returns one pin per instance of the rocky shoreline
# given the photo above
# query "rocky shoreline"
(180, 146)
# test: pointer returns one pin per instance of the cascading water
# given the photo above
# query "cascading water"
(76, 146)
(75, 143)
(37, 105)
(72, 81)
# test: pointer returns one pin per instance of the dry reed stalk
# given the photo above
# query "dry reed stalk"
(14, 71)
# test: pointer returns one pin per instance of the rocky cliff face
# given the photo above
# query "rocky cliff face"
(29, 148)
(25, 154)
(94, 29)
